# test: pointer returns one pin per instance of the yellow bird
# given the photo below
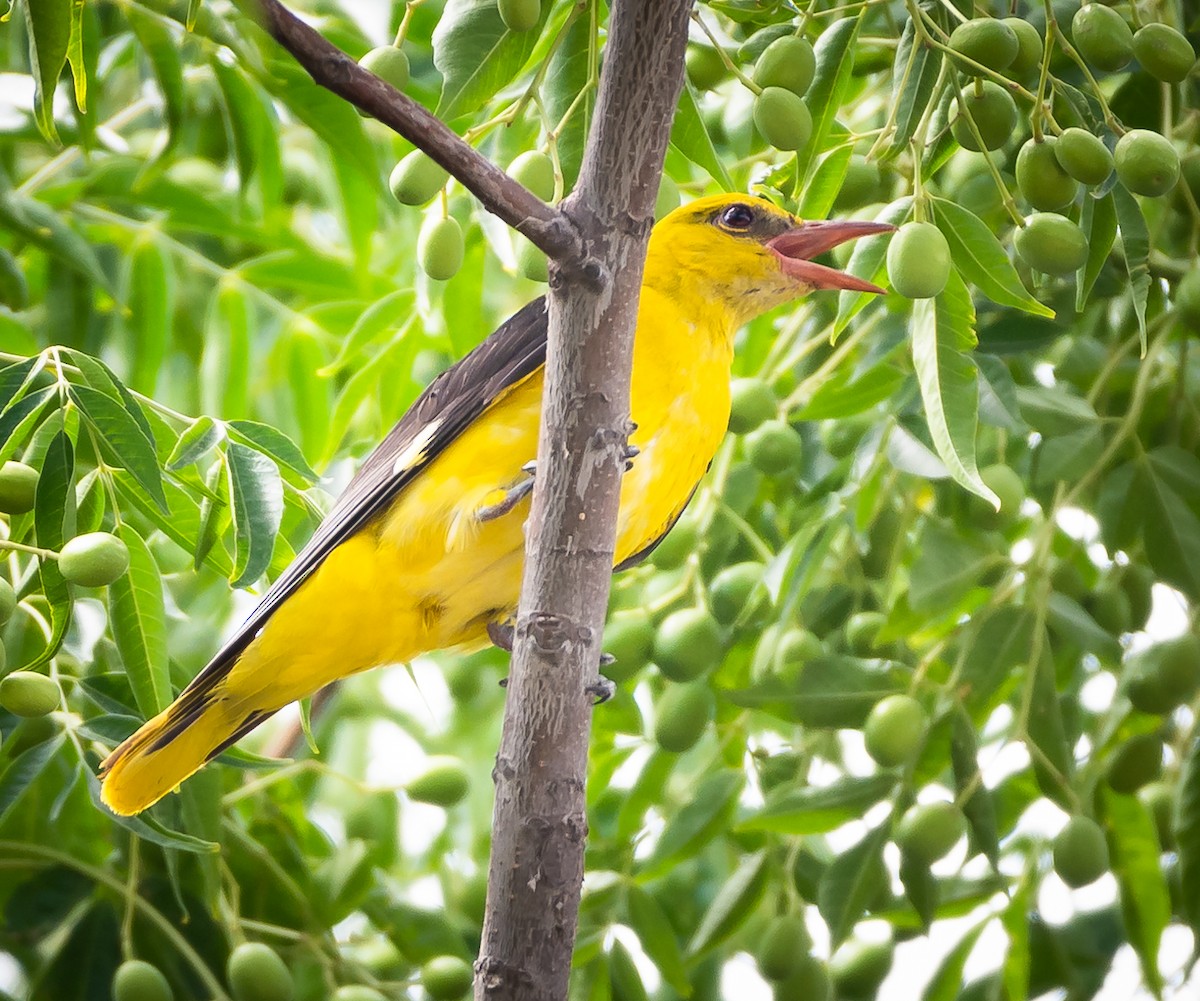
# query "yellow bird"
(423, 551)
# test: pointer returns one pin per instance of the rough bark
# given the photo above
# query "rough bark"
(540, 822)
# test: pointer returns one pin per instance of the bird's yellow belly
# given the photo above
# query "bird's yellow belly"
(428, 574)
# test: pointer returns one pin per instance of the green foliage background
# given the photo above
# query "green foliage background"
(196, 229)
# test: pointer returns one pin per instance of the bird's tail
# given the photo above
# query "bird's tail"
(175, 744)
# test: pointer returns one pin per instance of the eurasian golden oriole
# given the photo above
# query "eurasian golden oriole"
(424, 548)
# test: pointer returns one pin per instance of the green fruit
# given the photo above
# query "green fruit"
(168, 554)
(1164, 53)
(782, 119)
(440, 247)
(1083, 156)
(520, 15)
(788, 63)
(1164, 675)
(18, 485)
(985, 40)
(928, 831)
(774, 447)
(1102, 37)
(14, 290)
(858, 968)
(416, 179)
(809, 981)
(447, 977)
(375, 819)
(1006, 485)
(1187, 297)
(8, 601)
(667, 199)
(256, 973)
(1137, 762)
(137, 980)
(1147, 163)
(862, 185)
(628, 637)
(1051, 243)
(731, 589)
(1159, 799)
(93, 560)
(862, 629)
(443, 782)
(535, 171)
(752, 401)
(1043, 182)
(797, 647)
(895, 730)
(531, 262)
(677, 545)
(705, 67)
(1029, 47)
(995, 115)
(683, 713)
(918, 260)
(688, 644)
(1138, 583)
(784, 944)
(1111, 609)
(1080, 852)
(357, 992)
(388, 63)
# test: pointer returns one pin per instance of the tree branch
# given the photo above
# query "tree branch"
(548, 228)
(540, 821)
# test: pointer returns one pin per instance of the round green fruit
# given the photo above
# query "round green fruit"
(788, 63)
(895, 730)
(1165, 675)
(534, 171)
(1083, 156)
(1052, 244)
(1102, 37)
(1006, 485)
(1029, 47)
(862, 631)
(1147, 163)
(256, 973)
(1111, 608)
(705, 67)
(8, 601)
(774, 447)
(1042, 180)
(1137, 762)
(796, 648)
(928, 831)
(752, 402)
(784, 944)
(782, 119)
(440, 248)
(388, 63)
(531, 262)
(447, 977)
(416, 179)
(1187, 297)
(1080, 852)
(137, 980)
(520, 15)
(1164, 53)
(677, 545)
(994, 113)
(688, 644)
(18, 487)
(731, 589)
(863, 184)
(987, 41)
(683, 713)
(443, 782)
(918, 260)
(629, 638)
(357, 992)
(809, 981)
(859, 967)
(93, 560)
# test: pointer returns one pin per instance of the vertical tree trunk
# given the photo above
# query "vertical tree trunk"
(540, 823)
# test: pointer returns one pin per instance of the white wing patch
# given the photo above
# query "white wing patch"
(414, 451)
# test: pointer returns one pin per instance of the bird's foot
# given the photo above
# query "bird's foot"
(501, 634)
(629, 453)
(601, 690)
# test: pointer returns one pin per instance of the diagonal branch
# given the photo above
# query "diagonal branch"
(546, 227)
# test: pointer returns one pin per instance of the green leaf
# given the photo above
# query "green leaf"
(1187, 835)
(122, 438)
(1071, 622)
(138, 619)
(477, 55)
(657, 935)
(732, 905)
(1055, 764)
(273, 443)
(1015, 921)
(162, 48)
(867, 261)
(921, 889)
(697, 822)
(42, 226)
(851, 883)
(833, 691)
(1099, 224)
(1171, 531)
(149, 300)
(75, 56)
(18, 419)
(49, 25)
(941, 329)
(380, 317)
(826, 182)
(981, 260)
(1134, 850)
(16, 378)
(946, 567)
(998, 404)
(566, 78)
(848, 393)
(24, 770)
(947, 982)
(146, 827)
(256, 503)
(229, 329)
(819, 809)
(914, 73)
(690, 136)
(834, 53)
(197, 439)
(1135, 241)
(978, 806)
(1001, 644)
(54, 523)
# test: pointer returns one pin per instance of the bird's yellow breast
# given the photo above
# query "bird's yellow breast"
(428, 574)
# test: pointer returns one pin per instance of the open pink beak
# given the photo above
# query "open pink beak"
(796, 248)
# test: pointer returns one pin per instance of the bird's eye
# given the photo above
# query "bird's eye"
(737, 217)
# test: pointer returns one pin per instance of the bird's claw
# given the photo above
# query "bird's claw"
(628, 454)
(501, 634)
(512, 497)
(601, 690)
(606, 659)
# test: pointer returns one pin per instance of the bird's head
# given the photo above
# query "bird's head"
(746, 255)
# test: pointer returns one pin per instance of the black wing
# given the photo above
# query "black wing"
(448, 406)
